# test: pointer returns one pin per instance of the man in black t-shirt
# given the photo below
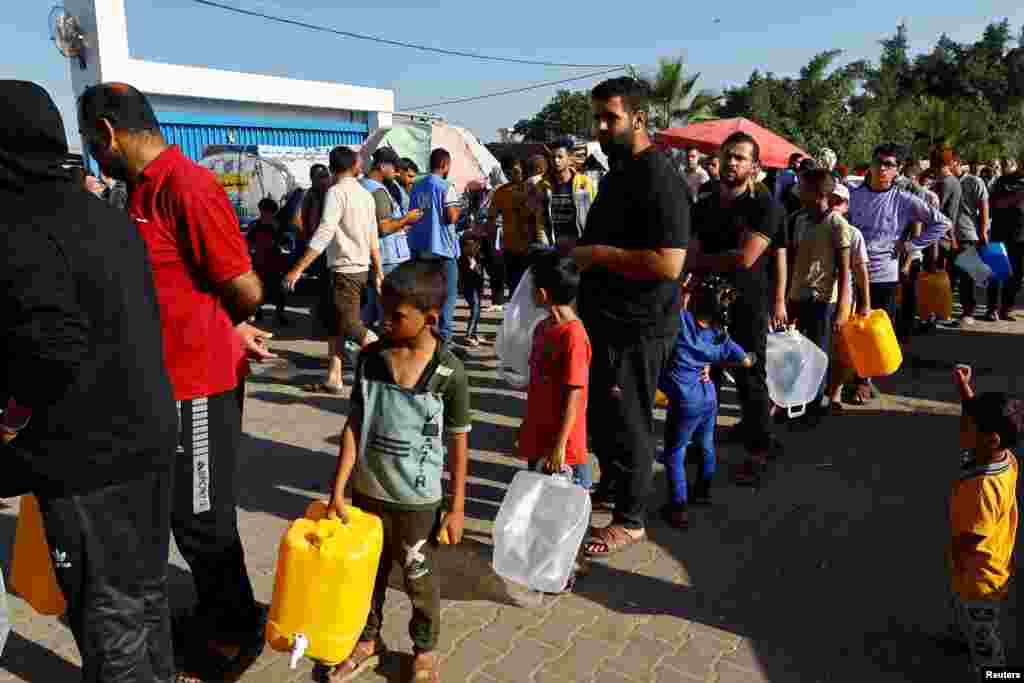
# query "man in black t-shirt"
(1007, 202)
(631, 254)
(739, 228)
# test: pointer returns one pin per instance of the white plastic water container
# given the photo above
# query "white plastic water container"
(5, 617)
(515, 337)
(795, 367)
(970, 262)
(539, 529)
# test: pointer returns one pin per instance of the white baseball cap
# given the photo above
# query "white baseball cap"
(842, 192)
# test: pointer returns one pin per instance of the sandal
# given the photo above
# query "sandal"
(424, 669)
(359, 661)
(676, 517)
(861, 395)
(609, 540)
(325, 388)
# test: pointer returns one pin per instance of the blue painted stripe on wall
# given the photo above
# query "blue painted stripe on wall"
(190, 119)
(193, 138)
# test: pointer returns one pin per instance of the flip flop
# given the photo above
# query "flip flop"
(356, 663)
(613, 538)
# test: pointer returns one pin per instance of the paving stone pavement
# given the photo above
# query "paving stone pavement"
(832, 571)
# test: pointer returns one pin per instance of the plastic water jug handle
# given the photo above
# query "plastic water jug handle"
(796, 411)
(298, 650)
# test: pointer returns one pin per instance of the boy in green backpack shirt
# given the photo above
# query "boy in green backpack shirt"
(410, 393)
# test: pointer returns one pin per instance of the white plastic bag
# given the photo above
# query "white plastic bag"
(795, 368)
(539, 529)
(515, 337)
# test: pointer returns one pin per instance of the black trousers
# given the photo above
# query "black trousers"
(515, 267)
(1002, 295)
(204, 519)
(883, 297)
(494, 264)
(623, 379)
(963, 283)
(749, 329)
(273, 292)
(109, 548)
(908, 307)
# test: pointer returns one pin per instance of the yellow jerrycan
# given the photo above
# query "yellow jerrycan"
(32, 574)
(871, 344)
(324, 584)
(934, 295)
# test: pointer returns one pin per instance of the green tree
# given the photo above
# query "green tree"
(567, 113)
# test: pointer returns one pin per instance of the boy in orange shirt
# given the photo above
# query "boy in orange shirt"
(983, 519)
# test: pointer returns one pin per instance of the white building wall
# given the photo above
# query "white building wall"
(108, 59)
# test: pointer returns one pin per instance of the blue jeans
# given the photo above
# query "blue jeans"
(372, 312)
(686, 424)
(473, 297)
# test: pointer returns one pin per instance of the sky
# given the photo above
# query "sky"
(747, 36)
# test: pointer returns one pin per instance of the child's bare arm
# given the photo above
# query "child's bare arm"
(458, 464)
(570, 413)
(860, 274)
(346, 461)
(962, 380)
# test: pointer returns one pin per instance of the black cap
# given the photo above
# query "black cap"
(33, 127)
(385, 155)
(124, 106)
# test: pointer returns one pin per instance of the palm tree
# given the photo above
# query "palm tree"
(673, 98)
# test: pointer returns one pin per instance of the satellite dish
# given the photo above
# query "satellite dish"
(66, 33)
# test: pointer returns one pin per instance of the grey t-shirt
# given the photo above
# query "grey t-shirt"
(973, 193)
(950, 194)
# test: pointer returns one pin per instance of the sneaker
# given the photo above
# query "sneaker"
(472, 341)
(991, 316)
(966, 320)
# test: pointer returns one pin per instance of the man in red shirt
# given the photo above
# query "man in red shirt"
(206, 289)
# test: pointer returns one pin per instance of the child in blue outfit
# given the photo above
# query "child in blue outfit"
(692, 401)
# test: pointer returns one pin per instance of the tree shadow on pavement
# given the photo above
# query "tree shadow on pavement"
(29, 661)
(835, 568)
(275, 470)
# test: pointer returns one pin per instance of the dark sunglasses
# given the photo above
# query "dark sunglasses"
(887, 164)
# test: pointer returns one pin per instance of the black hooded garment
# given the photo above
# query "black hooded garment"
(80, 325)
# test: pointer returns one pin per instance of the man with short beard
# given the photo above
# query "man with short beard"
(392, 224)
(740, 227)
(1008, 228)
(206, 289)
(569, 195)
(630, 255)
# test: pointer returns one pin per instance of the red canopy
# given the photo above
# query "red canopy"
(709, 136)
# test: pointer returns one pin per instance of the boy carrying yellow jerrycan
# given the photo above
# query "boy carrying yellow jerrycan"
(325, 575)
(32, 574)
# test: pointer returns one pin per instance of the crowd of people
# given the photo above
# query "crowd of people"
(130, 332)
